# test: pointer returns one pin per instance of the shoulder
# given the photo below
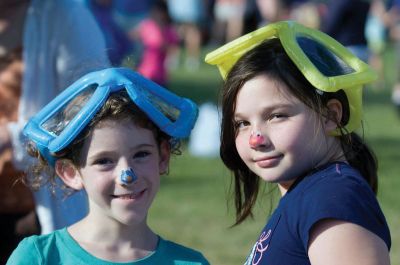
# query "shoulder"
(336, 181)
(179, 252)
(34, 249)
(336, 192)
(330, 239)
(26, 253)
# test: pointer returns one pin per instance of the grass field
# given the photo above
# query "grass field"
(191, 207)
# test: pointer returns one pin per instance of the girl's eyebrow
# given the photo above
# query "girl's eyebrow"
(105, 153)
(100, 154)
(266, 109)
(143, 145)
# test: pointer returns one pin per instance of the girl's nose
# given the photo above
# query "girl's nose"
(127, 177)
(256, 139)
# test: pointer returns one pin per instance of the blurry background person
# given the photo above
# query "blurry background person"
(44, 45)
(393, 23)
(229, 19)
(376, 33)
(158, 39)
(129, 13)
(306, 12)
(345, 21)
(273, 10)
(17, 215)
(118, 44)
(189, 17)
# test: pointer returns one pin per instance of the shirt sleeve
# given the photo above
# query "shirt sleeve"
(341, 197)
(25, 254)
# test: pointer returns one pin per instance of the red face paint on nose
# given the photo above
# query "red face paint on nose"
(256, 139)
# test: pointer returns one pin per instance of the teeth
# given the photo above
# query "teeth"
(128, 196)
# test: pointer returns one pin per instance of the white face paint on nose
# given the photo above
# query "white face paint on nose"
(256, 139)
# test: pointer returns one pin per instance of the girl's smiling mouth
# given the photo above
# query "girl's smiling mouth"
(268, 161)
(129, 196)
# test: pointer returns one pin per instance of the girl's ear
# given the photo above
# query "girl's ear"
(66, 170)
(334, 114)
(165, 154)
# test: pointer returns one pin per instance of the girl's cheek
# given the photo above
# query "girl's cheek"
(241, 142)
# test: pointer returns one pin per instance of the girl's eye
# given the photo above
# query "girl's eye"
(141, 154)
(240, 124)
(103, 161)
(277, 116)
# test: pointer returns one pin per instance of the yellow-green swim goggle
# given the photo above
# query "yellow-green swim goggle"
(350, 73)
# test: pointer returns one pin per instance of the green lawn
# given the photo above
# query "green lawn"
(191, 206)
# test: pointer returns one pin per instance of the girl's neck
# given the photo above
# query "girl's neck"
(114, 242)
(335, 154)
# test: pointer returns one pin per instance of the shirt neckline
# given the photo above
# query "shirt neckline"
(80, 253)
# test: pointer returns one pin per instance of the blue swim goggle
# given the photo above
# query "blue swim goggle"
(52, 130)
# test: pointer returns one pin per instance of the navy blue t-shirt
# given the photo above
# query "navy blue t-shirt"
(337, 191)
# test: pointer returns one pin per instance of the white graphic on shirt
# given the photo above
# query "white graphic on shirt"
(259, 248)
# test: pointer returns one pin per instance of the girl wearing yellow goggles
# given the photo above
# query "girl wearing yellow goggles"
(291, 103)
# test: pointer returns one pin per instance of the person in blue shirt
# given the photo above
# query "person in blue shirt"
(111, 133)
(291, 103)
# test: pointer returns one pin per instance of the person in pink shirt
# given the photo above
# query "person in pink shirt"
(158, 39)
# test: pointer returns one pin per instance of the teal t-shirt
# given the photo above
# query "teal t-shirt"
(60, 248)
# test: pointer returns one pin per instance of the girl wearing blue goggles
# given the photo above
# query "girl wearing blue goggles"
(110, 133)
